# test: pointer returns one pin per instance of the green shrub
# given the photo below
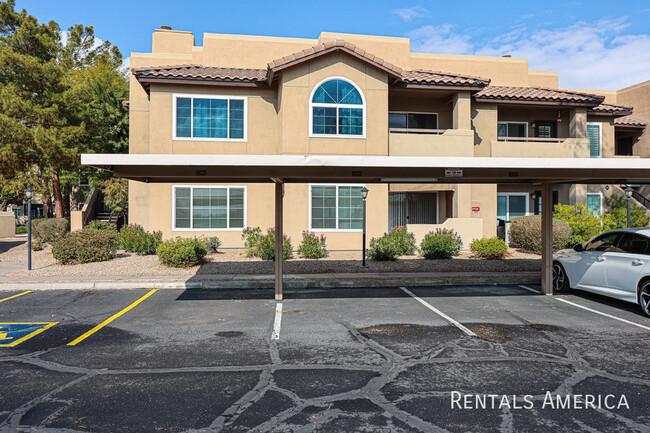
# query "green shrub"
(526, 233)
(312, 246)
(251, 237)
(49, 230)
(102, 225)
(617, 217)
(84, 246)
(212, 244)
(404, 241)
(441, 244)
(134, 239)
(37, 245)
(383, 249)
(266, 246)
(583, 223)
(489, 248)
(181, 252)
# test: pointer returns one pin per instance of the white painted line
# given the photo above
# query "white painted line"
(603, 314)
(275, 335)
(438, 312)
(530, 290)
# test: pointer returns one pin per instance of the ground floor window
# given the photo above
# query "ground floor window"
(511, 205)
(412, 208)
(209, 208)
(336, 207)
(595, 203)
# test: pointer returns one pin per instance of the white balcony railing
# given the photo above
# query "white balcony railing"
(532, 139)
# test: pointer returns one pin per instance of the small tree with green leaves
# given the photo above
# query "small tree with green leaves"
(617, 217)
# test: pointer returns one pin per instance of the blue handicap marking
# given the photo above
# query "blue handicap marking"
(12, 334)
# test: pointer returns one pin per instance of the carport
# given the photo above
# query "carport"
(281, 169)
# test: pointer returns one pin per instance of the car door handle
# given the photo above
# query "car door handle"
(600, 259)
(637, 262)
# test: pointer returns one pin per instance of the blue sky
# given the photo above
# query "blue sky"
(592, 44)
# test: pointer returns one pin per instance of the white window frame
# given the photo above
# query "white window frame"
(192, 229)
(416, 112)
(507, 196)
(337, 185)
(175, 97)
(337, 106)
(599, 194)
(506, 122)
(600, 140)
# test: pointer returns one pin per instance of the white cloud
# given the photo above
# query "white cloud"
(412, 13)
(586, 55)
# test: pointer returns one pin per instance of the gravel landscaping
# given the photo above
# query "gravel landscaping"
(233, 261)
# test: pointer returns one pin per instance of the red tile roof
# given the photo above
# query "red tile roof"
(426, 77)
(537, 94)
(629, 122)
(200, 72)
(609, 109)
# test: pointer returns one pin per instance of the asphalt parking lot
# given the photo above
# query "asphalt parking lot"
(349, 360)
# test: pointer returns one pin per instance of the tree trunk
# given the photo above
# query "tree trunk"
(66, 200)
(48, 197)
(58, 199)
(3, 206)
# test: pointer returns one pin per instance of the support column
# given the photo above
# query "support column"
(462, 110)
(547, 239)
(279, 238)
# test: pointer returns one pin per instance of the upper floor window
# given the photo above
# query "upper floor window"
(337, 109)
(209, 118)
(595, 136)
(512, 129)
(412, 121)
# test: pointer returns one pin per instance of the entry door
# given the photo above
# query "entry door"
(545, 129)
(623, 266)
(412, 208)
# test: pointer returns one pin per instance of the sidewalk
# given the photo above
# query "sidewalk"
(301, 281)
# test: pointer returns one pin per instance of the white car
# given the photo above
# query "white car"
(615, 263)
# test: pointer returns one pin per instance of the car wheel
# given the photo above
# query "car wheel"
(644, 298)
(560, 279)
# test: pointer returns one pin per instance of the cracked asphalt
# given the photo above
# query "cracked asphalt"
(348, 360)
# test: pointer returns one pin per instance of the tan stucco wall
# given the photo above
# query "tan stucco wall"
(638, 96)
(569, 148)
(7, 225)
(453, 142)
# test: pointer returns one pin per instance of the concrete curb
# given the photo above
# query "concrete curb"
(291, 282)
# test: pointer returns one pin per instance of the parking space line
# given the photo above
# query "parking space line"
(15, 296)
(438, 312)
(277, 323)
(591, 310)
(603, 314)
(110, 319)
(47, 326)
(530, 290)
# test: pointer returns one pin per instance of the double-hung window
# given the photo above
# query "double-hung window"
(209, 118)
(337, 110)
(209, 208)
(336, 207)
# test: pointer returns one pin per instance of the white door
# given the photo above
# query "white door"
(623, 266)
(591, 267)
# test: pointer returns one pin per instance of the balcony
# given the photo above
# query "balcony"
(430, 142)
(535, 147)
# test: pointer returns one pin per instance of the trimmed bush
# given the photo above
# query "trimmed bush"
(526, 233)
(37, 245)
(84, 246)
(212, 244)
(312, 246)
(251, 237)
(441, 244)
(404, 241)
(134, 239)
(489, 248)
(181, 252)
(102, 225)
(383, 249)
(583, 223)
(266, 246)
(49, 230)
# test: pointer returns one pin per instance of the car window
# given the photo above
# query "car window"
(603, 242)
(633, 244)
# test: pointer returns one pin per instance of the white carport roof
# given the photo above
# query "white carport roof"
(370, 169)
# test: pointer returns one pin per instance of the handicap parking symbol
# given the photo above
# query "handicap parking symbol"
(12, 334)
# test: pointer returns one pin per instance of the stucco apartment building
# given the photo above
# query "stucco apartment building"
(344, 94)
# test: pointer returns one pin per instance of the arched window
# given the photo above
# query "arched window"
(337, 109)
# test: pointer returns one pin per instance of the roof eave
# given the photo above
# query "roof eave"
(537, 102)
(472, 88)
(201, 81)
